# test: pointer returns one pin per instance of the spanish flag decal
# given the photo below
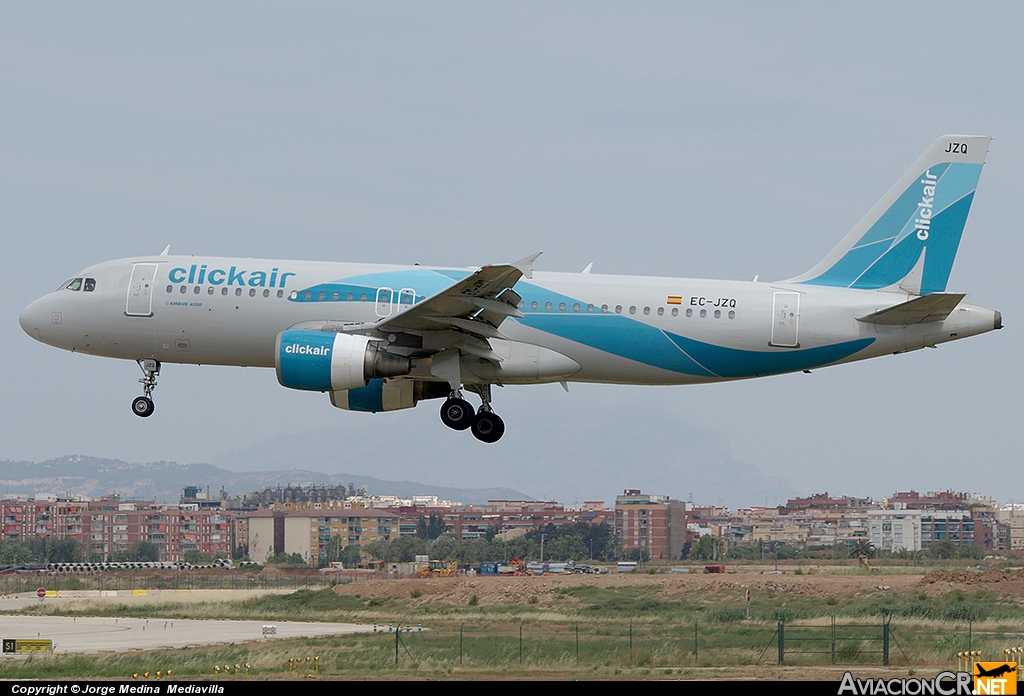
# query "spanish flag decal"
(674, 299)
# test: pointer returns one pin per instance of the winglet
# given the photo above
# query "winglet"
(166, 251)
(525, 266)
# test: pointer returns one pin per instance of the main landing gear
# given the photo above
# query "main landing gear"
(142, 406)
(457, 414)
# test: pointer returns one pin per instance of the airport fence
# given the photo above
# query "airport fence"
(661, 645)
(828, 641)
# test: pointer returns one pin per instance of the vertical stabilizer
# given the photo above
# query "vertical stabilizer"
(915, 229)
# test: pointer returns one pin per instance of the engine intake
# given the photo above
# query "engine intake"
(328, 361)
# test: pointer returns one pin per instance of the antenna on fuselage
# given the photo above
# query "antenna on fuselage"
(166, 251)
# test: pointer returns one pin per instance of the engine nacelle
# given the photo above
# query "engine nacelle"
(328, 361)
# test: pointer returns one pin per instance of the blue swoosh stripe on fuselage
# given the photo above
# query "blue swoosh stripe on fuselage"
(620, 336)
(612, 333)
(424, 282)
(633, 339)
(733, 362)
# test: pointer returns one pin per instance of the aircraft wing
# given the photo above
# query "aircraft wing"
(470, 310)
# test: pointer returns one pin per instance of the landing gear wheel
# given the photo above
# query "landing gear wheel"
(488, 427)
(142, 407)
(457, 413)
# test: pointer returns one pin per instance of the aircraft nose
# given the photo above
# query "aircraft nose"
(30, 321)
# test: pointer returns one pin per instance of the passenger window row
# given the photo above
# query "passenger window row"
(307, 295)
(576, 307)
(198, 289)
(383, 297)
(335, 296)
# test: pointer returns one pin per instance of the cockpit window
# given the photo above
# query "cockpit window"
(90, 285)
(75, 284)
(64, 285)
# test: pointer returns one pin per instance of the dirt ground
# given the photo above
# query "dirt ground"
(519, 590)
(1001, 581)
(515, 591)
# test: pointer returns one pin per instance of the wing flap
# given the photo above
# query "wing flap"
(469, 310)
(480, 328)
(484, 296)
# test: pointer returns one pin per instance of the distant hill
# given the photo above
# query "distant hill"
(163, 481)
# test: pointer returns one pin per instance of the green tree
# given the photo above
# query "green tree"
(432, 528)
(139, 552)
(943, 548)
(744, 552)
(196, 557)
(378, 550)
(332, 550)
(638, 555)
(567, 548)
(706, 548)
(974, 552)
(445, 547)
(862, 547)
(14, 552)
(290, 559)
(474, 551)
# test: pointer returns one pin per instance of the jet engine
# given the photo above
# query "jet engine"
(328, 361)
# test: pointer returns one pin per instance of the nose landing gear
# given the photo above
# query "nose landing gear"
(142, 406)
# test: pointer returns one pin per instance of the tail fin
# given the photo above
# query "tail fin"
(910, 237)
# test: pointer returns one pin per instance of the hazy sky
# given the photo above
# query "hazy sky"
(720, 140)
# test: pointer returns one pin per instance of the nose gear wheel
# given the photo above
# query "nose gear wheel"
(143, 406)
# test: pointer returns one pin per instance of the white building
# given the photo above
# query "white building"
(895, 530)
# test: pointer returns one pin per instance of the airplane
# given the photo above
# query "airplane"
(385, 337)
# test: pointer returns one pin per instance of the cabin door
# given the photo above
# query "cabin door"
(140, 290)
(786, 320)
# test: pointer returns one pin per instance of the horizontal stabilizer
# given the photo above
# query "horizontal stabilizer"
(920, 310)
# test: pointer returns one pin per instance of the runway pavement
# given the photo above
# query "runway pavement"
(99, 634)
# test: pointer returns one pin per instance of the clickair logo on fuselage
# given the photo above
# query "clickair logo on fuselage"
(307, 350)
(923, 222)
(199, 275)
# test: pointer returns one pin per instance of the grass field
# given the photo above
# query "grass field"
(577, 628)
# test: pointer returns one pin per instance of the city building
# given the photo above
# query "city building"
(655, 523)
(895, 530)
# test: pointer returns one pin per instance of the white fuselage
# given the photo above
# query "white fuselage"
(618, 329)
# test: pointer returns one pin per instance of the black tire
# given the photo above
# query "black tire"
(488, 427)
(142, 407)
(457, 413)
